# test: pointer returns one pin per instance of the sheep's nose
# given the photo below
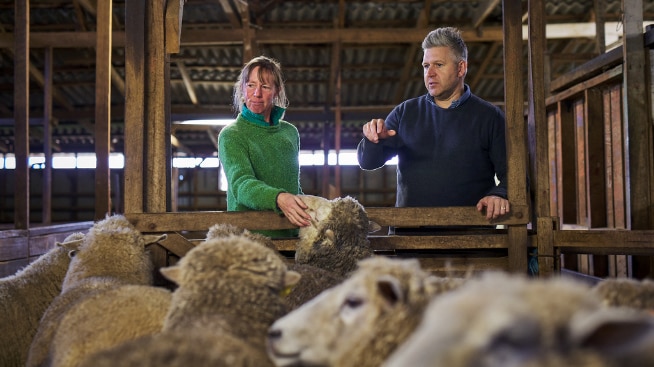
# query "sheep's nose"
(274, 334)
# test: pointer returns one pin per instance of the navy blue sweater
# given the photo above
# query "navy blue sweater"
(446, 157)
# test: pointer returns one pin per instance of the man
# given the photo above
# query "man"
(449, 142)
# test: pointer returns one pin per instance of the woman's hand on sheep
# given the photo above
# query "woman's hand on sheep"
(294, 209)
(495, 206)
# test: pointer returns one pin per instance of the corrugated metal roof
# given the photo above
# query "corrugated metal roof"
(374, 75)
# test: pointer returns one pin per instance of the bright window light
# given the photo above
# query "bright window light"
(86, 160)
(210, 163)
(64, 160)
(214, 122)
(184, 162)
(36, 161)
(10, 161)
(116, 161)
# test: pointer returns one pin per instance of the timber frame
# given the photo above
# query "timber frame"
(534, 224)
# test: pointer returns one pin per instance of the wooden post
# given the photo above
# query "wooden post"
(46, 198)
(134, 105)
(21, 112)
(516, 141)
(103, 110)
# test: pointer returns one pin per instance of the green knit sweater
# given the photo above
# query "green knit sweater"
(260, 162)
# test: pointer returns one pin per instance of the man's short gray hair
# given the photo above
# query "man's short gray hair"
(447, 37)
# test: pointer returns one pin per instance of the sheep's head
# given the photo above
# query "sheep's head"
(112, 248)
(525, 322)
(370, 311)
(338, 233)
(232, 261)
(220, 230)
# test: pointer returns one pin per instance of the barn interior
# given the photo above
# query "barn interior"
(124, 91)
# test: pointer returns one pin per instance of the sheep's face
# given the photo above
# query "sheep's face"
(319, 209)
(112, 248)
(505, 321)
(326, 329)
(231, 259)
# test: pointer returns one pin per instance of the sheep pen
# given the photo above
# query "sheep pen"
(229, 291)
(106, 297)
(502, 319)
(360, 321)
(25, 296)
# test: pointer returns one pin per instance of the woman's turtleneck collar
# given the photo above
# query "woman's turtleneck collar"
(257, 118)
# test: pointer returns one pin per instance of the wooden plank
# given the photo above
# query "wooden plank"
(608, 158)
(621, 240)
(14, 248)
(565, 178)
(593, 67)
(546, 226)
(552, 163)
(102, 110)
(578, 89)
(177, 244)
(515, 147)
(637, 113)
(580, 162)
(157, 158)
(400, 217)
(134, 105)
(618, 162)
(174, 15)
(21, 113)
(8, 268)
(537, 114)
(46, 191)
(595, 168)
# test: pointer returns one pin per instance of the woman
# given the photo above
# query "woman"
(259, 151)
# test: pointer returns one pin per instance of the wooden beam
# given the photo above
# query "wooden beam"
(482, 12)
(135, 61)
(156, 185)
(399, 217)
(21, 113)
(515, 138)
(102, 110)
(637, 113)
(174, 14)
(188, 82)
(46, 192)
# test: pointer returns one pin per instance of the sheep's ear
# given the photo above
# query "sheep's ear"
(172, 273)
(154, 238)
(614, 332)
(291, 278)
(390, 290)
(373, 227)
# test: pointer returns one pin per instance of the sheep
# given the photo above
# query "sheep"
(228, 294)
(27, 294)
(360, 321)
(109, 276)
(313, 279)
(627, 292)
(503, 319)
(338, 236)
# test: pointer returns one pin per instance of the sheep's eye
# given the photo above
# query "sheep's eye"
(353, 302)
(72, 253)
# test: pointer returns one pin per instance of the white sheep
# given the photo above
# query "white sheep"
(359, 322)
(338, 236)
(503, 319)
(26, 295)
(313, 279)
(229, 291)
(627, 292)
(88, 314)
